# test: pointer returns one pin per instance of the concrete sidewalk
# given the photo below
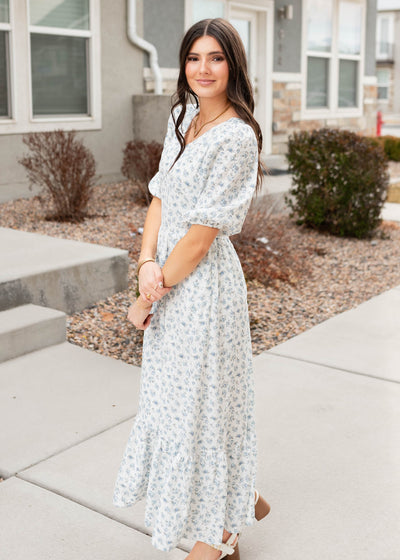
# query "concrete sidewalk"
(328, 428)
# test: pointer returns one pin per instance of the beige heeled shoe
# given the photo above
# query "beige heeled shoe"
(231, 546)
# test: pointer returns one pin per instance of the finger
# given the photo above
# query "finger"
(164, 291)
(151, 294)
(148, 293)
(160, 293)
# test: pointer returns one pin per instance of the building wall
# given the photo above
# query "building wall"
(164, 24)
(288, 34)
(396, 69)
(386, 106)
(121, 77)
(288, 81)
(370, 40)
(286, 114)
(287, 38)
(392, 64)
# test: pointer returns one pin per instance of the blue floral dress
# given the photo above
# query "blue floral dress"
(192, 450)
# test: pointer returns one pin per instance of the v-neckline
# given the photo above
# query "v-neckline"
(204, 133)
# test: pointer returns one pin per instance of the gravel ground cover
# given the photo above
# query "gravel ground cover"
(338, 275)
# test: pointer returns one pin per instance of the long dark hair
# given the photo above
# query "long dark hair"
(239, 90)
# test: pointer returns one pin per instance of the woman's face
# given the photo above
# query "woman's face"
(206, 69)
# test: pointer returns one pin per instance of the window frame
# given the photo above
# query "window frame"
(333, 111)
(390, 17)
(8, 28)
(386, 84)
(189, 12)
(21, 118)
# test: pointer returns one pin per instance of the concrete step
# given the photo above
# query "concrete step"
(29, 327)
(59, 273)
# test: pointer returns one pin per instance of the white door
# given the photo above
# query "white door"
(255, 27)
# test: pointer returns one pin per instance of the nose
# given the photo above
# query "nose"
(204, 66)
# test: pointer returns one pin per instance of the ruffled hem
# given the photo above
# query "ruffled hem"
(184, 491)
(198, 536)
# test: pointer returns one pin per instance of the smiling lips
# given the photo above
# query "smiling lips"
(205, 82)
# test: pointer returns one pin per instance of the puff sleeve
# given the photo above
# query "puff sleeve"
(155, 184)
(229, 187)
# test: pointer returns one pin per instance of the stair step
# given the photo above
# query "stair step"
(58, 273)
(29, 327)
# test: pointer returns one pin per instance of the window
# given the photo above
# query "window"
(59, 57)
(202, 9)
(333, 54)
(319, 47)
(349, 51)
(5, 28)
(383, 77)
(317, 81)
(49, 65)
(384, 36)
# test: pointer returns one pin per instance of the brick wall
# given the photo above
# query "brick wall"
(286, 116)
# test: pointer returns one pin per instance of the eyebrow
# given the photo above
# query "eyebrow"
(213, 52)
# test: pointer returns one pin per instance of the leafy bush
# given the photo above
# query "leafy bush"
(140, 164)
(391, 146)
(64, 168)
(340, 181)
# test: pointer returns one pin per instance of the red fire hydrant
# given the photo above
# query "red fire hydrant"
(379, 123)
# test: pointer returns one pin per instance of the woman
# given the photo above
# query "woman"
(192, 450)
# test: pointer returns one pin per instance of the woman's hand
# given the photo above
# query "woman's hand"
(150, 276)
(139, 314)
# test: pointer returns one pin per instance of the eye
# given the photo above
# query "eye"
(191, 58)
(218, 58)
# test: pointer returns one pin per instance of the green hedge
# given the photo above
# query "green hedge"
(391, 146)
(340, 181)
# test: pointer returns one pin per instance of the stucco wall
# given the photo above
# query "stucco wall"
(150, 117)
(121, 77)
(370, 33)
(396, 71)
(164, 24)
(287, 38)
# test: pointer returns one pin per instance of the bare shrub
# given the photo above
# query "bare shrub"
(64, 168)
(264, 247)
(140, 164)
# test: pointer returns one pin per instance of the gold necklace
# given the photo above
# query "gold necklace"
(197, 132)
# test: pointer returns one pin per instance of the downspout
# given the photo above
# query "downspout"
(144, 45)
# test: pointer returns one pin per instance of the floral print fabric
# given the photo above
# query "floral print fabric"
(192, 450)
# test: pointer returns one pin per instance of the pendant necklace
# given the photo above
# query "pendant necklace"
(197, 132)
